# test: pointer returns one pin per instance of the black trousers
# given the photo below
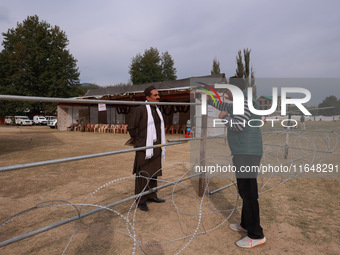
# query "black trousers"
(248, 190)
(143, 184)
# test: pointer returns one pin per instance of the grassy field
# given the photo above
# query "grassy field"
(299, 216)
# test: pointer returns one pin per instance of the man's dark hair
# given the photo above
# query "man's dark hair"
(238, 81)
(147, 91)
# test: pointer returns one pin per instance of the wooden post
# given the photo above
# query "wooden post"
(287, 144)
(204, 124)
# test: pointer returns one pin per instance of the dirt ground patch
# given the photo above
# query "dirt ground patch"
(300, 216)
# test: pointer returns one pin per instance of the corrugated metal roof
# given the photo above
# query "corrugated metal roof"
(183, 84)
(268, 97)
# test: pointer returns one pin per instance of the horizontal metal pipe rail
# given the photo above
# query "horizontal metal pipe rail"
(222, 188)
(274, 145)
(54, 161)
(297, 148)
(280, 130)
(194, 138)
(86, 101)
(38, 231)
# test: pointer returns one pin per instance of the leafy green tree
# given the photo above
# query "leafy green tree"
(35, 62)
(330, 101)
(168, 70)
(240, 65)
(216, 67)
(136, 70)
(243, 69)
(151, 67)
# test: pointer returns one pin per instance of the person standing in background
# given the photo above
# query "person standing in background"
(146, 128)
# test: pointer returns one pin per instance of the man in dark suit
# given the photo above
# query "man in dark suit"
(146, 128)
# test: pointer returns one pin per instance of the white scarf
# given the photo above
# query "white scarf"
(151, 134)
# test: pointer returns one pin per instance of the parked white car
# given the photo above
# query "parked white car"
(39, 120)
(50, 118)
(53, 123)
(9, 120)
(23, 121)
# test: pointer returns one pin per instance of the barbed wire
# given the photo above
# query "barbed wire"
(300, 142)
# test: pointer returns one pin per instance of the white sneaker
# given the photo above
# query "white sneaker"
(247, 242)
(237, 227)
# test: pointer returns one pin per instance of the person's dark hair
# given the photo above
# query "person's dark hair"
(237, 81)
(147, 91)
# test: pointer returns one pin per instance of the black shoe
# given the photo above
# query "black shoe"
(143, 207)
(156, 200)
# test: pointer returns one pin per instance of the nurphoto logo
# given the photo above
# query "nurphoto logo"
(238, 100)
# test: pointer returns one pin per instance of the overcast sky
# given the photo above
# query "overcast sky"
(288, 38)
